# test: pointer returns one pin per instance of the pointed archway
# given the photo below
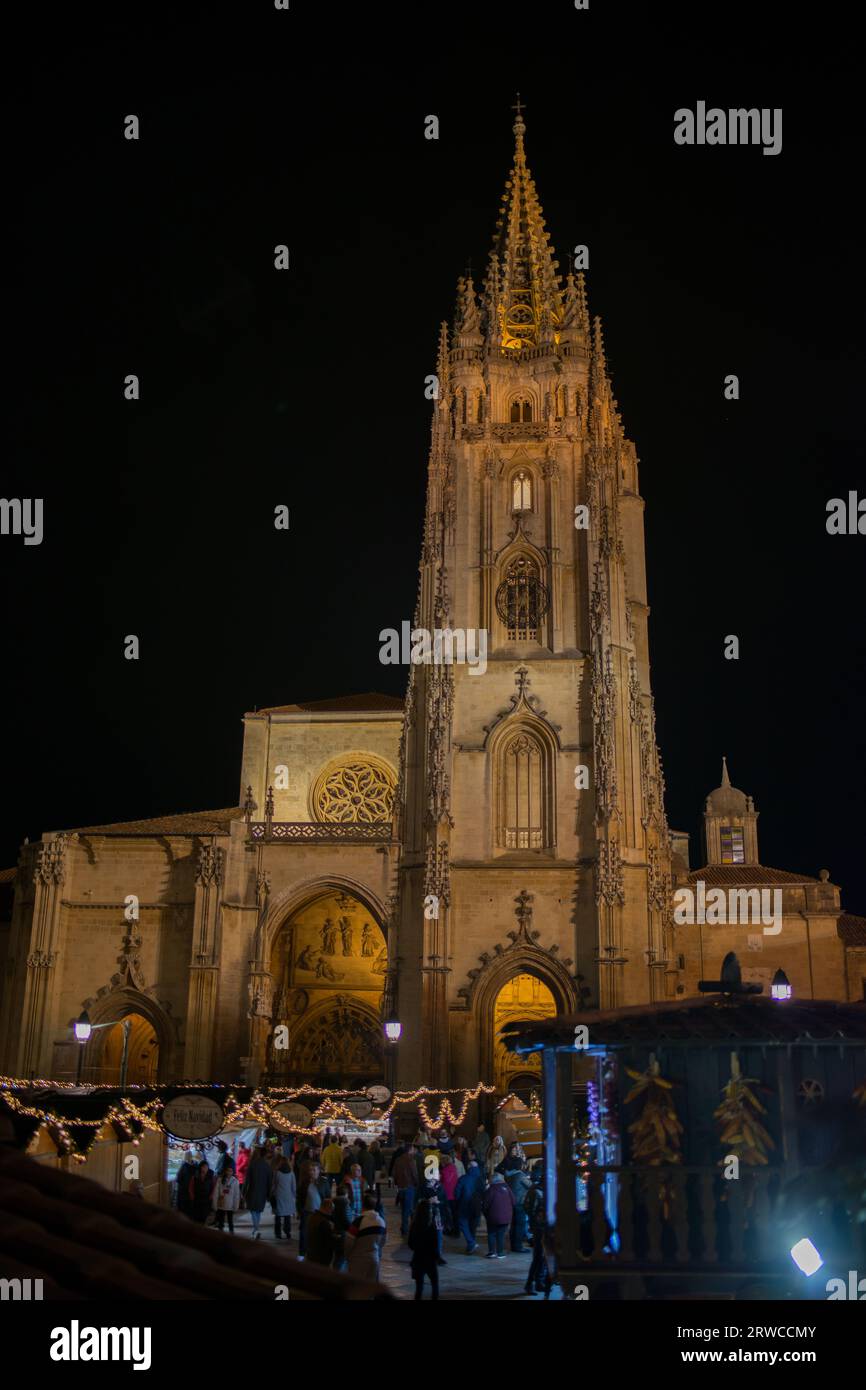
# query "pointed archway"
(524, 956)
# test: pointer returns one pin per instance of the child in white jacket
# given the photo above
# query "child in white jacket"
(226, 1197)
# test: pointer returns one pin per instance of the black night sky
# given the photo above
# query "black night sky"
(307, 387)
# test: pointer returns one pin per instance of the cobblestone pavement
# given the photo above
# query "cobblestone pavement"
(461, 1277)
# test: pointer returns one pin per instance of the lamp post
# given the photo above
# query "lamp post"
(83, 1029)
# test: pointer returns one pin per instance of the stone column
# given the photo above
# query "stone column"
(204, 965)
(41, 979)
(550, 469)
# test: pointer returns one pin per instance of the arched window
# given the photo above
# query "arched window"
(523, 771)
(522, 794)
(521, 599)
(479, 409)
(521, 492)
(521, 410)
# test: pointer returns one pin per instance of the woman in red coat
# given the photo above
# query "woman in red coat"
(448, 1177)
(243, 1162)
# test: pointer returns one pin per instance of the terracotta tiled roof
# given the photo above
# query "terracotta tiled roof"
(852, 929)
(7, 875)
(746, 876)
(373, 700)
(193, 823)
(87, 1243)
(712, 1021)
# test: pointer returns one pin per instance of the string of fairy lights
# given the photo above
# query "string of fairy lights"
(130, 1117)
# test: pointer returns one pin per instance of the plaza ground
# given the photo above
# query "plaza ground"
(461, 1277)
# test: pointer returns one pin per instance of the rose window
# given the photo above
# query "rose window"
(355, 791)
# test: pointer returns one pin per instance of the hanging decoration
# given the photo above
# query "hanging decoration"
(740, 1130)
(656, 1133)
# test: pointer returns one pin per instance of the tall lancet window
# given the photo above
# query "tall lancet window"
(521, 492)
(521, 599)
(522, 794)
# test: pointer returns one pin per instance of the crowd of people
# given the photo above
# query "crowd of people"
(447, 1183)
(333, 1189)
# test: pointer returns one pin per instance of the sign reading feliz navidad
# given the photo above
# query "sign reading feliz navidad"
(192, 1116)
(295, 1116)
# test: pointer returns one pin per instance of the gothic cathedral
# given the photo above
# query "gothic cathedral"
(495, 848)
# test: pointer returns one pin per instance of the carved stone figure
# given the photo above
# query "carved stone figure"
(329, 936)
(347, 933)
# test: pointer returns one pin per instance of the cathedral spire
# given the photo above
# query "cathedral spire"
(529, 296)
(726, 781)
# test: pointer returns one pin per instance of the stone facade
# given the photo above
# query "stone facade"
(498, 842)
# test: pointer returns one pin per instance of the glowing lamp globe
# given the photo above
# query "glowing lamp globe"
(393, 1029)
(83, 1028)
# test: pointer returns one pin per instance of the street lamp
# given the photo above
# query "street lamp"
(83, 1029)
(781, 986)
(393, 1027)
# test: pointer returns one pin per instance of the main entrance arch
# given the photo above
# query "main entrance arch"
(328, 965)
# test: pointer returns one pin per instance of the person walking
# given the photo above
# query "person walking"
(367, 1165)
(377, 1158)
(309, 1200)
(481, 1145)
(468, 1198)
(444, 1142)
(448, 1177)
(320, 1244)
(342, 1217)
(185, 1174)
(226, 1197)
(284, 1199)
(424, 1244)
(406, 1182)
(332, 1158)
(355, 1186)
(243, 1163)
(495, 1156)
(538, 1278)
(364, 1241)
(514, 1159)
(519, 1183)
(498, 1207)
(257, 1187)
(201, 1192)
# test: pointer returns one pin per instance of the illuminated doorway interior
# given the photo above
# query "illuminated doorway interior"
(142, 1064)
(523, 997)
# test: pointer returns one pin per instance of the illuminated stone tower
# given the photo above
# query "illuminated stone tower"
(532, 795)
